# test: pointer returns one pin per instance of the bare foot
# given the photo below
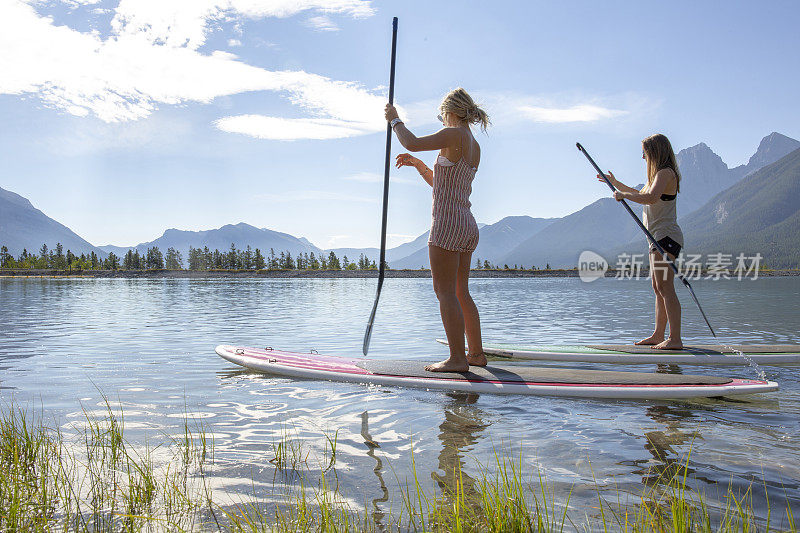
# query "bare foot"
(448, 366)
(668, 345)
(476, 359)
(652, 339)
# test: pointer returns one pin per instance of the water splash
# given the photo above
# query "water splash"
(750, 361)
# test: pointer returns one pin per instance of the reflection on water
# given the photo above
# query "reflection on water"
(148, 345)
(459, 432)
(377, 514)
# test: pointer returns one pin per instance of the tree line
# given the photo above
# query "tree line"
(57, 259)
(249, 259)
(199, 259)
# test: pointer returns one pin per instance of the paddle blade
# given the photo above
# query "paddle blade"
(368, 332)
(691, 291)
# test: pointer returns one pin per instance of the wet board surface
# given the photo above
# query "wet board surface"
(493, 379)
(700, 354)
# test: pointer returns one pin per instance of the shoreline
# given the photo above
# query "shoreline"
(308, 274)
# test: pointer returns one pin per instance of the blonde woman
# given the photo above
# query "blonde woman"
(454, 233)
(659, 198)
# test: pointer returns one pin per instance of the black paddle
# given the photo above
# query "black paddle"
(382, 264)
(649, 237)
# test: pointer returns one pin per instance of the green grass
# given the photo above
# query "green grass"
(100, 482)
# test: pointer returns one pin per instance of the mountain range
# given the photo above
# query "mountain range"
(22, 226)
(751, 206)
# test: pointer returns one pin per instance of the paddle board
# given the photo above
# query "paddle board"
(700, 354)
(493, 379)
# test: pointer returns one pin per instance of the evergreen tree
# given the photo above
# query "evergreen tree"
(138, 264)
(59, 261)
(477, 263)
(5, 257)
(194, 259)
(173, 259)
(323, 263)
(313, 262)
(272, 259)
(208, 259)
(70, 259)
(95, 261)
(333, 262)
(258, 260)
(345, 263)
(217, 259)
(111, 262)
(247, 258)
(486, 265)
(231, 262)
(44, 256)
(154, 260)
(127, 261)
(288, 261)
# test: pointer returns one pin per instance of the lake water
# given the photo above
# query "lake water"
(148, 345)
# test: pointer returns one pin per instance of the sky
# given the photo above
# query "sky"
(124, 118)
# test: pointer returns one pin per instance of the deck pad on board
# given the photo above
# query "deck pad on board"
(522, 374)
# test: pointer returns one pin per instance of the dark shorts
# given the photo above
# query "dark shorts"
(669, 245)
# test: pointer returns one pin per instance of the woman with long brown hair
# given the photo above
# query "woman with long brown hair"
(659, 197)
(454, 233)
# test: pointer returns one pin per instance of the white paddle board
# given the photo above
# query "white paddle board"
(493, 379)
(700, 354)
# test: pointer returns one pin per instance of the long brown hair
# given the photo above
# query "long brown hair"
(659, 155)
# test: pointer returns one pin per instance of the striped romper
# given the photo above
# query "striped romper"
(452, 225)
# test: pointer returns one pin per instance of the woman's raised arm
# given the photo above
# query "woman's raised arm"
(436, 141)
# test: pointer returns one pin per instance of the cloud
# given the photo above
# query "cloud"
(234, 42)
(187, 22)
(288, 129)
(576, 113)
(321, 23)
(151, 59)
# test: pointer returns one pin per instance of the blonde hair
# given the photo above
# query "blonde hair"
(659, 155)
(460, 103)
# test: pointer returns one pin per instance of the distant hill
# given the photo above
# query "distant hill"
(221, 239)
(761, 213)
(598, 226)
(704, 174)
(22, 226)
(496, 240)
